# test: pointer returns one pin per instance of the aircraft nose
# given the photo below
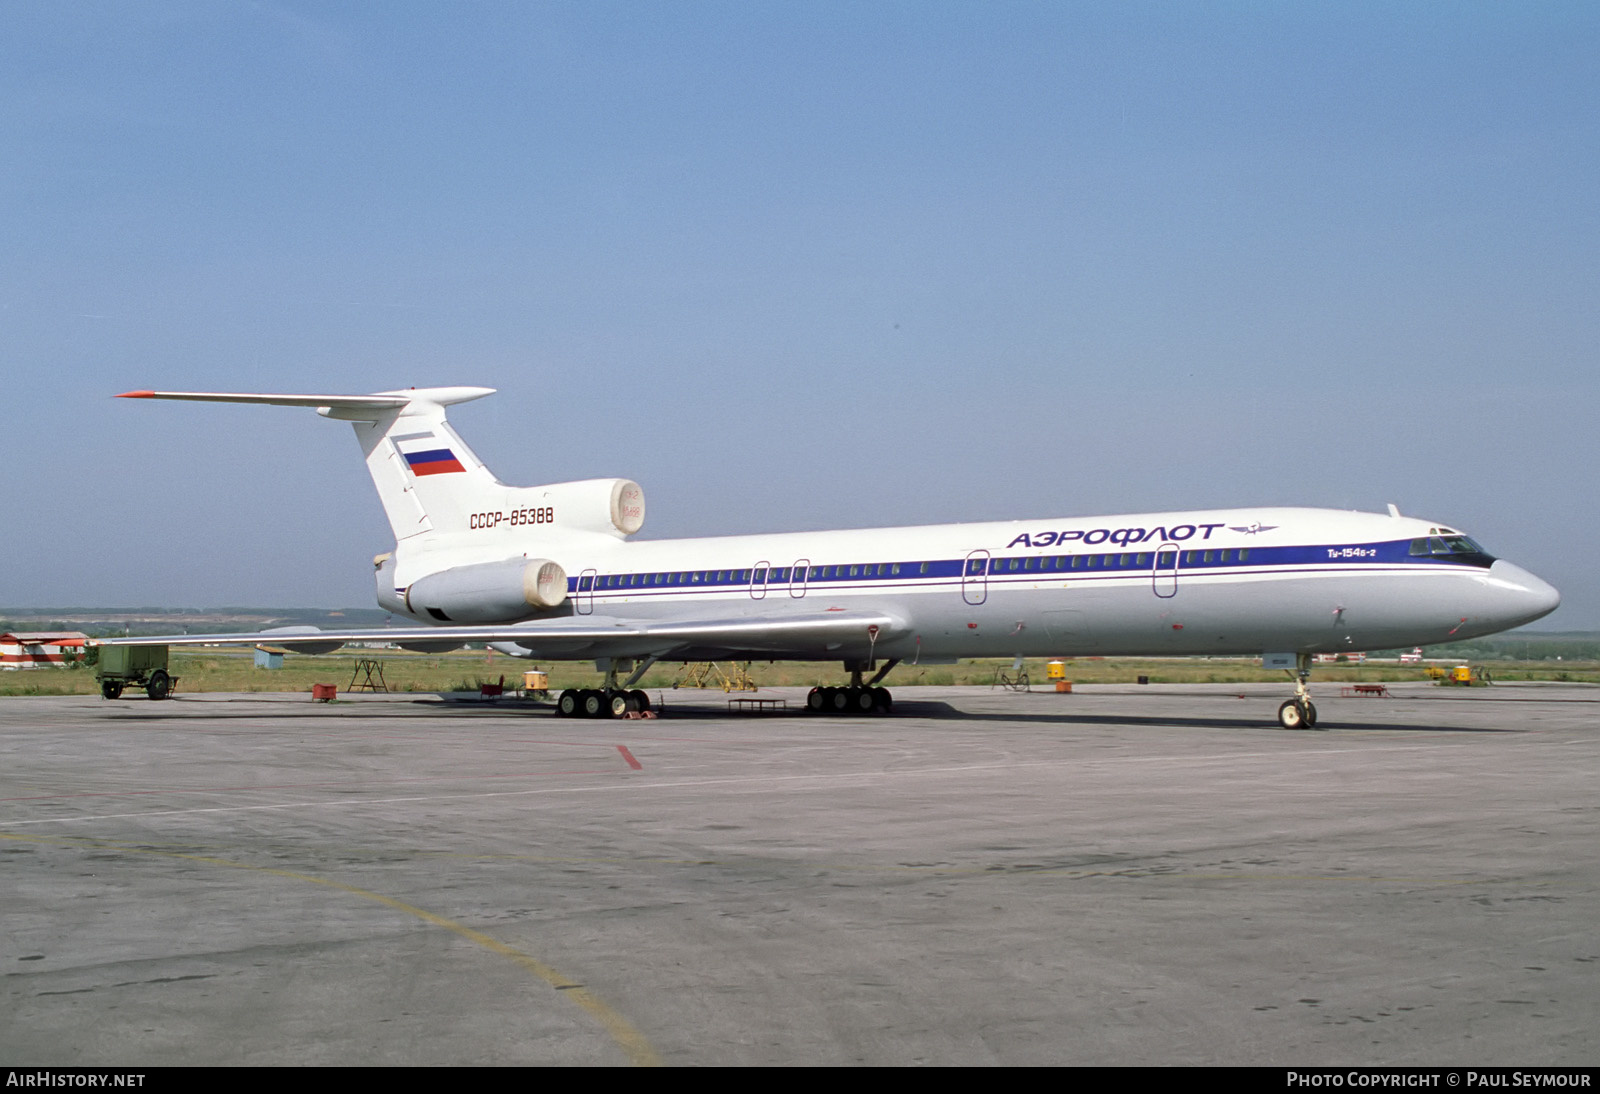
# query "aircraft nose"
(1519, 597)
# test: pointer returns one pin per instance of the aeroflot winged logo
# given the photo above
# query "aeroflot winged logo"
(1251, 529)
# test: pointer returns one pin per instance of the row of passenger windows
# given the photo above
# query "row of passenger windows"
(759, 575)
(1107, 562)
(801, 574)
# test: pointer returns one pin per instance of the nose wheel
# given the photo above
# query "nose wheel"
(1298, 714)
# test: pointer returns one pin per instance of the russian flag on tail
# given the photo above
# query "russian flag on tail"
(433, 461)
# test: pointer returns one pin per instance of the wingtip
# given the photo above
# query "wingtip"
(137, 395)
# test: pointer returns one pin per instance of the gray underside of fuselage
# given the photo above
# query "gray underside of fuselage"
(1308, 613)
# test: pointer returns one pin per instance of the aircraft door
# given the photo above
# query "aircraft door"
(974, 578)
(1164, 577)
(758, 580)
(583, 602)
(797, 577)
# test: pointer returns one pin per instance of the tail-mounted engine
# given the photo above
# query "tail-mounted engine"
(612, 506)
(489, 592)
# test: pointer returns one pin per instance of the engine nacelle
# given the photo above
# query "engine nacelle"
(613, 506)
(489, 592)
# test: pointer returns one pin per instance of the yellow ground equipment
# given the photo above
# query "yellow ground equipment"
(706, 674)
(536, 684)
(367, 676)
(1461, 676)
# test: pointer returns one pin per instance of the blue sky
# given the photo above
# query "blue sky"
(793, 266)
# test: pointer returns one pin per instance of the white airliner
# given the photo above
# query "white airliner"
(548, 572)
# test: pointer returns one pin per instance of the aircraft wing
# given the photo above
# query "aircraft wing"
(821, 636)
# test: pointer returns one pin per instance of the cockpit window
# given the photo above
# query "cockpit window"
(1456, 548)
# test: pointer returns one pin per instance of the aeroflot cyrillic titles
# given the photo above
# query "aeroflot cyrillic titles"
(1179, 533)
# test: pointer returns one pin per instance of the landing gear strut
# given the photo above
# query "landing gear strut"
(1299, 712)
(859, 698)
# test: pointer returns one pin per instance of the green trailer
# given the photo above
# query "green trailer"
(135, 666)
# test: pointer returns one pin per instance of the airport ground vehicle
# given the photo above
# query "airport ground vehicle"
(145, 667)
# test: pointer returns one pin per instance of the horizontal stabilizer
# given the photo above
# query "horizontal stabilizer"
(381, 400)
(426, 476)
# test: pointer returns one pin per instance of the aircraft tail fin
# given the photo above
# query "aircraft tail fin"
(423, 471)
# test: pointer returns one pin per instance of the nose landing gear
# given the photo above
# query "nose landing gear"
(1299, 712)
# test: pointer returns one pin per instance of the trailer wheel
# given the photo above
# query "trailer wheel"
(159, 686)
(110, 689)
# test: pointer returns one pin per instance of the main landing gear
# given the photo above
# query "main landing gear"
(614, 700)
(859, 698)
(856, 699)
(601, 703)
(1299, 712)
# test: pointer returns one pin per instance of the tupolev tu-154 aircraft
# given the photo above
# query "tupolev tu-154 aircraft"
(549, 572)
